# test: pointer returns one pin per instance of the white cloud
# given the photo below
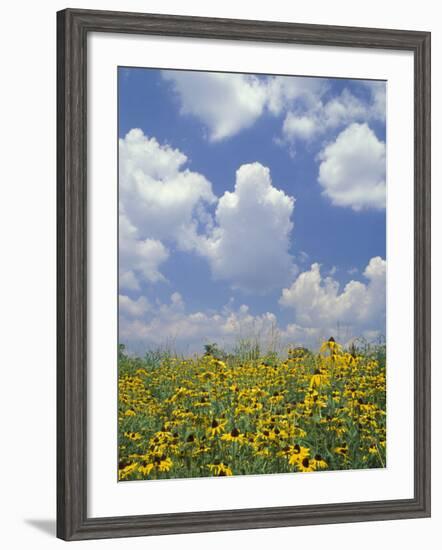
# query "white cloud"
(320, 309)
(133, 308)
(225, 103)
(318, 302)
(314, 119)
(228, 103)
(378, 91)
(298, 335)
(249, 245)
(282, 92)
(138, 257)
(346, 108)
(304, 127)
(160, 202)
(158, 194)
(170, 324)
(163, 205)
(352, 169)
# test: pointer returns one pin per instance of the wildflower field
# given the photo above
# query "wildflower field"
(221, 415)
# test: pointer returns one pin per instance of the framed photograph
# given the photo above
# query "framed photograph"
(243, 274)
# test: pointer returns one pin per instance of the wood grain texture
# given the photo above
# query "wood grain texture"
(72, 29)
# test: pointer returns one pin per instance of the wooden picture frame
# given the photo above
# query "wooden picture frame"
(73, 26)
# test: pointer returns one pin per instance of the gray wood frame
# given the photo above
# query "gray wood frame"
(73, 27)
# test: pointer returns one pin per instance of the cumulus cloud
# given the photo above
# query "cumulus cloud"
(249, 244)
(378, 90)
(308, 121)
(138, 257)
(303, 126)
(225, 103)
(228, 103)
(171, 324)
(163, 205)
(319, 302)
(133, 308)
(283, 92)
(157, 193)
(297, 335)
(160, 202)
(319, 307)
(352, 169)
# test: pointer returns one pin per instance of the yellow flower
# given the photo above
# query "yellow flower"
(125, 470)
(306, 465)
(206, 376)
(134, 436)
(220, 469)
(343, 450)
(234, 435)
(331, 346)
(319, 463)
(297, 454)
(145, 468)
(163, 463)
(130, 412)
(316, 379)
(216, 427)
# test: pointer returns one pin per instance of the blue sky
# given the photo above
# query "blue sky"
(247, 203)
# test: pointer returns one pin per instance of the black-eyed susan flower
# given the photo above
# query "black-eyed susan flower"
(145, 468)
(133, 436)
(216, 427)
(306, 465)
(373, 449)
(162, 463)
(319, 463)
(235, 435)
(330, 346)
(316, 379)
(125, 469)
(342, 450)
(220, 469)
(297, 454)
